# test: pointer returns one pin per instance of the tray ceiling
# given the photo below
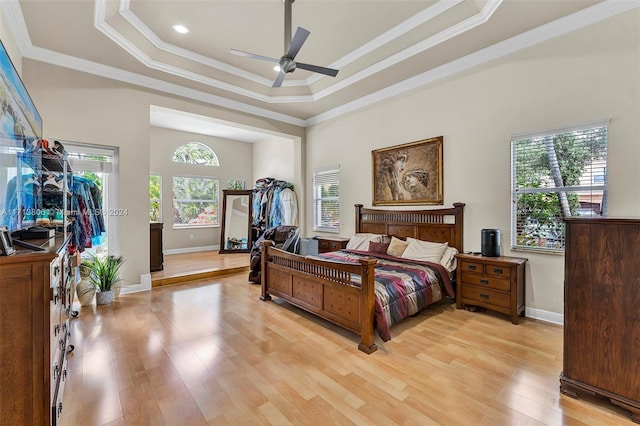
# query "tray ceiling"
(381, 48)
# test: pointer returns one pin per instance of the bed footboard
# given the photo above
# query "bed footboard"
(323, 288)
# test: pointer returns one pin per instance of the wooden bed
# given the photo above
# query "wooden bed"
(325, 288)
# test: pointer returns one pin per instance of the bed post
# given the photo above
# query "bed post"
(358, 217)
(459, 218)
(367, 307)
(264, 295)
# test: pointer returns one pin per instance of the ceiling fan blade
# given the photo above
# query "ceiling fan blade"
(253, 55)
(315, 68)
(298, 40)
(279, 79)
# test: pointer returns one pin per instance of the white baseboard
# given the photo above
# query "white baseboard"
(546, 316)
(145, 285)
(191, 249)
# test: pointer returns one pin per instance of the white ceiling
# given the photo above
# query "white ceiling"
(381, 47)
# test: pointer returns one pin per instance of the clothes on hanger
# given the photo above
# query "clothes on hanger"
(274, 204)
(42, 203)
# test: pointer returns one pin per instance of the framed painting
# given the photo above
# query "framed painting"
(408, 174)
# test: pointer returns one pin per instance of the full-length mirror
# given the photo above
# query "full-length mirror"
(235, 234)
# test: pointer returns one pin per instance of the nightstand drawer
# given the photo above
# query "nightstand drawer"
(475, 267)
(498, 271)
(331, 244)
(486, 296)
(487, 281)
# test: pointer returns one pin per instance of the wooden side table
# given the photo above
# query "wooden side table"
(326, 244)
(495, 283)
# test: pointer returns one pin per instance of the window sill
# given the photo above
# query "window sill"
(194, 226)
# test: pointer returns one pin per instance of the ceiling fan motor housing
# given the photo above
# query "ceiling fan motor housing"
(287, 65)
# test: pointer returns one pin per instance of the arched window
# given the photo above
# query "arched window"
(195, 153)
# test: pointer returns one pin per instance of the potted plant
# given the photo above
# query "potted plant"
(104, 274)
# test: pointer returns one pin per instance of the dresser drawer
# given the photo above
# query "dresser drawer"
(486, 296)
(474, 267)
(486, 281)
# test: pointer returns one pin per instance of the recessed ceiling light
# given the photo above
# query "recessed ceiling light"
(276, 68)
(181, 29)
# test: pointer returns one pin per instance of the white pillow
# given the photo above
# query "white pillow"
(449, 260)
(424, 250)
(361, 241)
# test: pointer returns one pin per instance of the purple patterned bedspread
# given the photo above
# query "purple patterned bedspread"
(402, 287)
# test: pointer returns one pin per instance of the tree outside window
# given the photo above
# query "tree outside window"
(195, 201)
(556, 175)
(154, 198)
(195, 153)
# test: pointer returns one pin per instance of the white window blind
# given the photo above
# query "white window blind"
(326, 199)
(554, 175)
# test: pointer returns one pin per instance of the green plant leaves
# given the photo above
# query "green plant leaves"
(104, 272)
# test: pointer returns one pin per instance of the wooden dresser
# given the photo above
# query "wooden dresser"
(326, 244)
(495, 283)
(35, 304)
(602, 310)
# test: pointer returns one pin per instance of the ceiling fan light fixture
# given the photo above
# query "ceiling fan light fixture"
(180, 29)
(276, 68)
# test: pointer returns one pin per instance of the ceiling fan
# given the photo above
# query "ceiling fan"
(291, 48)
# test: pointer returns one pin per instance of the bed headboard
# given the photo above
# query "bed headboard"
(437, 225)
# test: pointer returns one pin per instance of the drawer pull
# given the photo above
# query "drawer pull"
(56, 329)
(483, 281)
(471, 267)
(497, 270)
(484, 296)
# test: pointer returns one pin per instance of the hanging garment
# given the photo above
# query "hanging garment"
(288, 207)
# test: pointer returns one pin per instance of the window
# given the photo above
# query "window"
(555, 175)
(195, 153)
(195, 201)
(155, 189)
(326, 199)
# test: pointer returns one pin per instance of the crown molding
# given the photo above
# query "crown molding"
(404, 27)
(17, 26)
(596, 13)
(146, 32)
(390, 35)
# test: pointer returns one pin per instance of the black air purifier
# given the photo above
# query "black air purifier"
(491, 242)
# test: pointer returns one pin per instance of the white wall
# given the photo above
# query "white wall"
(85, 108)
(282, 159)
(235, 160)
(585, 76)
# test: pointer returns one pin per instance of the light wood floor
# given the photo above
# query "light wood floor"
(210, 352)
(205, 264)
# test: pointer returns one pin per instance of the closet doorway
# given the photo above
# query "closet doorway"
(96, 166)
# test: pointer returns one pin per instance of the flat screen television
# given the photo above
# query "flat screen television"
(20, 128)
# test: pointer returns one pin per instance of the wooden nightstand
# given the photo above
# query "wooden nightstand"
(495, 283)
(326, 244)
